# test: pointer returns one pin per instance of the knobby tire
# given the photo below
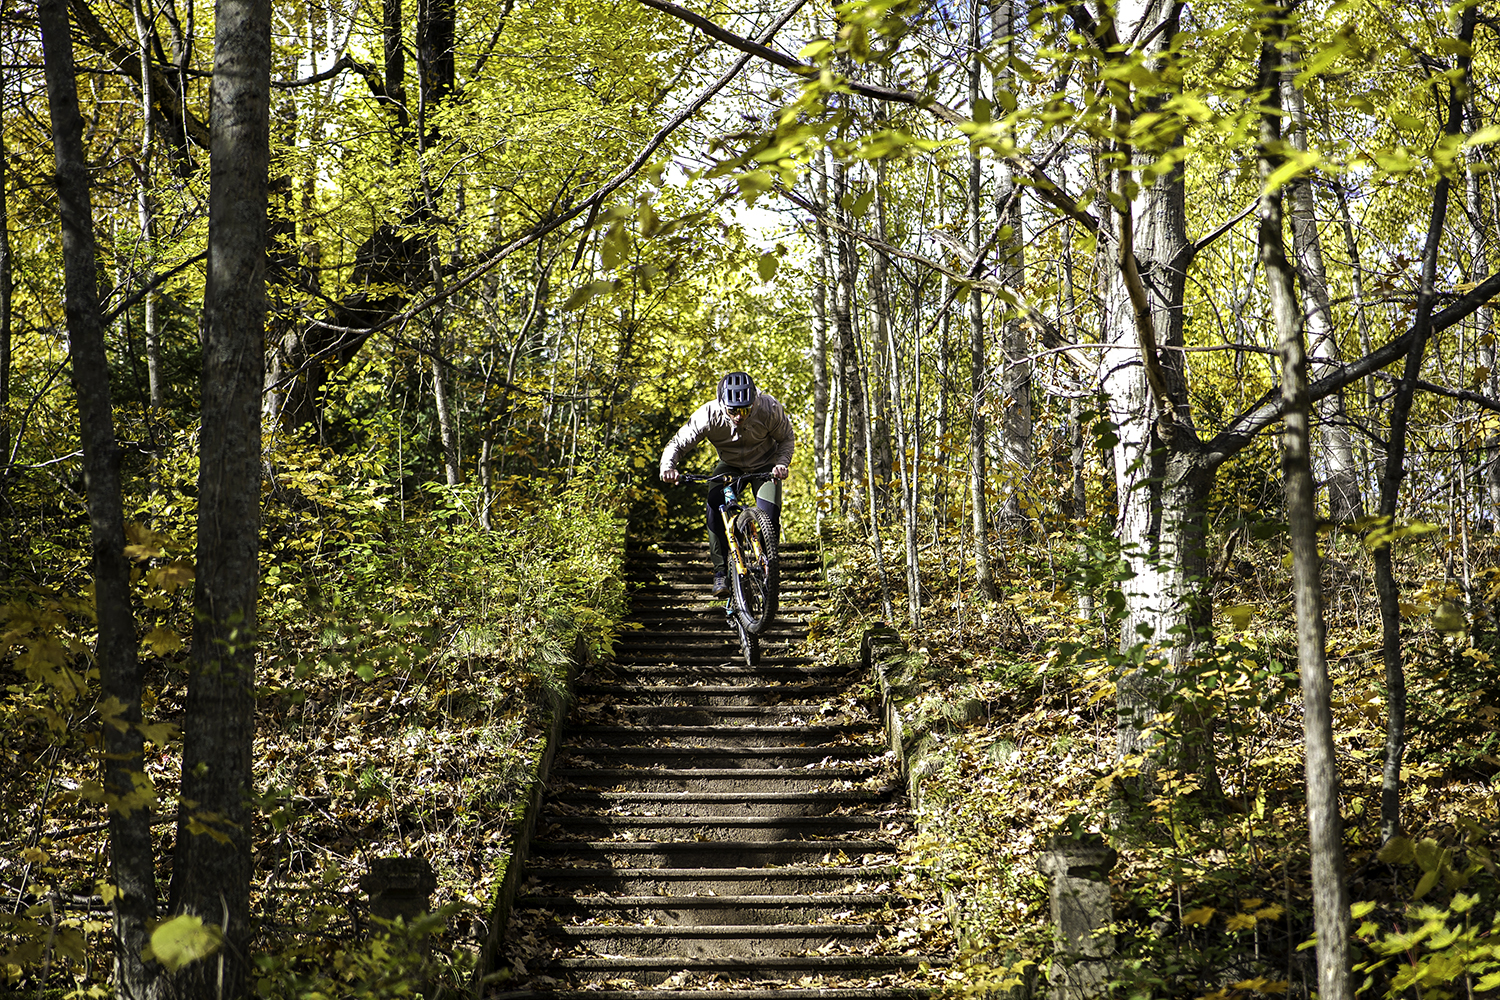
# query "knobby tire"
(757, 590)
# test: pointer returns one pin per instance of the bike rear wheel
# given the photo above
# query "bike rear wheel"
(757, 589)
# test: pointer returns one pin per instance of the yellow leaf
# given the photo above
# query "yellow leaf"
(144, 543)
(1200, 916)
(162, 641)
(183, 940)
(1240, 615)
(1272, 912)
(1241, 922)
(35, 856)
(1397, 850)
(176, 574)
(160, 733)
(107, 891)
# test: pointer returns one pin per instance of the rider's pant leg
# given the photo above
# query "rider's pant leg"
(718, 544)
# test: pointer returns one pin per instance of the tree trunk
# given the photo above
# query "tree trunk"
(211, 876)
(852, 465)
(1345, 498)
(1163, 474)
(1480, 223)
(1357, 287)
(861, 377)
(984, 575)
(904, 446)
(486, 479)
(436, 27)
(1395, 470)
(128, 793)
(447, 420)
(1015, 377)
(395, 65)
(1324, 824)
(820, 347)
(146, 209)
(7, 290)
(878, 387)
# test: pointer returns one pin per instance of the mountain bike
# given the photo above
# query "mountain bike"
(754, 569)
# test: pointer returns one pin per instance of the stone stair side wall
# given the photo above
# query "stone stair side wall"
(885, 659)
(525, 828)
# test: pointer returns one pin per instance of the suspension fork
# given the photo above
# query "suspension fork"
(732, 540)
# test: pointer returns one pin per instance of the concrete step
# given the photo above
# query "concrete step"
(759, 969)
(781, 670)
(584, 735)
(738, 801)
(783, 881)
(712, 853)
(566, 780)
(702, 643)
(680, 941)
(715, 827)
(717, 655)
(700, 911)
(705, 694)
(678, 716)
(650, 758)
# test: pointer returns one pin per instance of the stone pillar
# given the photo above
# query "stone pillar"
(1081, 915)
(399, 887)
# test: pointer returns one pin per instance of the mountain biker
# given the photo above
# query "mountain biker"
(751, 431)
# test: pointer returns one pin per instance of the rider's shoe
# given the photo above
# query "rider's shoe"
(721, 585)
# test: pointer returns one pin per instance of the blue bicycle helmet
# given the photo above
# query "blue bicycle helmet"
(736, 390)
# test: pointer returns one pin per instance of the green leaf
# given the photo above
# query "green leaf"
(1424, 886)
(767, 266)
(1294, 166)
(583, 293)
(183, 940)
(1397, 850)
(1485, 136)
(815, 50)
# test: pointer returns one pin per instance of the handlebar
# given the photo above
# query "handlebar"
(724, 477)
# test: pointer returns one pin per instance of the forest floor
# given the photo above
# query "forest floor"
(428, 757)
(1016, 730)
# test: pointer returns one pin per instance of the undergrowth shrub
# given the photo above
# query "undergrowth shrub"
(409, 658)
(1212, 893)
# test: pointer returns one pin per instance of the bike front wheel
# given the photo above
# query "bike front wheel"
(756, 590)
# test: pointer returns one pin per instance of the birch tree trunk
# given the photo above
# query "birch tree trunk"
(984, 574)
(128, 794)
(852, 439)
(819, 349)
(904, 446)
(1324, 824)
(211, 878)
(1345, 499)
(1015, 377)
(442, 396)
(1163, 473)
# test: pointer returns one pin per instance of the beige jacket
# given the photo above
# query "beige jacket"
(764, 439)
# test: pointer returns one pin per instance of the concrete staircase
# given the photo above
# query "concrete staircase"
(711, 825)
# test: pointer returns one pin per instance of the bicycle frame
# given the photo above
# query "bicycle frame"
(741, 616)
